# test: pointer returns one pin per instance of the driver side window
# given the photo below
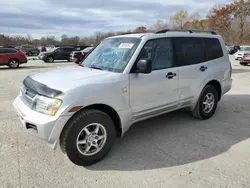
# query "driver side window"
(160, 52)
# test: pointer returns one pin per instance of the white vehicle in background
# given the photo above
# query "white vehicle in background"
(124, 80)
(240, 53)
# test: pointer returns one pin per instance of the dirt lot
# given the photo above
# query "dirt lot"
(170, 151)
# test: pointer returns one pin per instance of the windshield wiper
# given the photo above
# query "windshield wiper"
(95, 67)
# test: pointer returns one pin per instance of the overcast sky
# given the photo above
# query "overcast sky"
(84, 17)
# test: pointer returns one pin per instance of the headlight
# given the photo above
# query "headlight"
(45, 105)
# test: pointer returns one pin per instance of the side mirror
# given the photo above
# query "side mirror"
(144, 66)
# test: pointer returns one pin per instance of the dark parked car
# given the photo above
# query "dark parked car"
(59, 53)
(12, 57)
(29, 50)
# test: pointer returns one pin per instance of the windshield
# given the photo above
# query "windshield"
(52, 49)
(87, 49)
(245, 49)
(112, 54)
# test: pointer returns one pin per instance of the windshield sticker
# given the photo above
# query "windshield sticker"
(126, 45)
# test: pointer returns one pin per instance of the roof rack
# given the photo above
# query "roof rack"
(188, 30)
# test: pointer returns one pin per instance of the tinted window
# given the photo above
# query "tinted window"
(199, 48)
(68, 49)
(213, 48)
(9, 51)
(189, 50)
(160, 51)
(1, 51)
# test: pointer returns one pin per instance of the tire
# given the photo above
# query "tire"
(13, 63)
(68, 60)
(50, 59)
(244, 64)
(87, 119)
(199, 111)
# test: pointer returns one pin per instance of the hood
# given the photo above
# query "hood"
(64, 79)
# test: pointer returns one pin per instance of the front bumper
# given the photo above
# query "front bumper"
(42, 57)
(45, 127)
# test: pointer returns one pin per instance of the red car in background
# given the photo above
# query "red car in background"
(79, 55)
(245, 60)
(12, 57)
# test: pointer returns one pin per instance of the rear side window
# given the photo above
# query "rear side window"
(9, 51)
(189, 50)
(213, 49)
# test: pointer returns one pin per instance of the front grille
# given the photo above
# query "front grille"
(27, 96)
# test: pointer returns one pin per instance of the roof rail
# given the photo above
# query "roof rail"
(185, 30)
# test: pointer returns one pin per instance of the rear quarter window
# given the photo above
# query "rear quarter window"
(213, 48)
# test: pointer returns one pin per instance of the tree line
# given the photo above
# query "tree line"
(231, 21)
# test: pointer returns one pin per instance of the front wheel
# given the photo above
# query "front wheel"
(88, 137)
(207, 103)
(50, 59)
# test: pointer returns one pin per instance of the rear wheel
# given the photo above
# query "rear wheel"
(13, 64)
(88, 137)
(207, 103)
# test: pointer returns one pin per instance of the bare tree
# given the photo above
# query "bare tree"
(179, 19)
(159, 25)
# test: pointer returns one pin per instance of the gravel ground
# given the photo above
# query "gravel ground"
(171, 151)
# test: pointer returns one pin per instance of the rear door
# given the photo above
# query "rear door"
(66, 52)
(190, 57)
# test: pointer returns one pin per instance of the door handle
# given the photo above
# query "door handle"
(170, 75)
(202, 68)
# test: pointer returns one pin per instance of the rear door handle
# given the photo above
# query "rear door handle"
(170, 75)
(202, 68)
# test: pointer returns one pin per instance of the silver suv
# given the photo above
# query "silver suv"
(126, 79)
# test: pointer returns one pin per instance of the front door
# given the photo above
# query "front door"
(58, 54)
(157, 91)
